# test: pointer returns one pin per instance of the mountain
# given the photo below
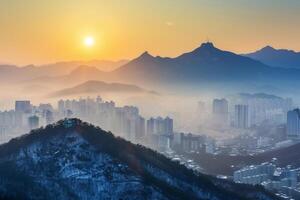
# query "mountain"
(75, 160)
(68, 66)
(76, 76)
(12, 73)
(277, 57)
(206, 63)
(203, 68)
(99, 87)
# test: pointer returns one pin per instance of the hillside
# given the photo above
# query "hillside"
(75, 160)
(226, 164)
(99, 87)
(12, 73)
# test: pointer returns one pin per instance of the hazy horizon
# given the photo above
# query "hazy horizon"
(54, 31)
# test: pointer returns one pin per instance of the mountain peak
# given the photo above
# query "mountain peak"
(207, 45)
(146, 55)
(268, 48)
(271, 56)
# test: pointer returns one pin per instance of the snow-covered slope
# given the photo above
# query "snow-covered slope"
(83, 162)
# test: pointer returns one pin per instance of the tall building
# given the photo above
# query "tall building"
(150, 126)
(241, 116)
(23, 106)
(293, 124)
(48, 116)
(264, 107)
(201, 107)
(168, 126)
(220, 112)
(140, 127)
(160, 132)
(61, 106)
(137, 128)
(33, 122)
(160, 126)
(190, 142)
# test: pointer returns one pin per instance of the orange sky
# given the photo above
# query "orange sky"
(35, 31)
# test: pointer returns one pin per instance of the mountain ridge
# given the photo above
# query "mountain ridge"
(277, 57)
(99, 87)
(205, 62)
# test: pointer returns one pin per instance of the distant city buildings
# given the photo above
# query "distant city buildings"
(160, 132)
(264, 107)
(279, 180)
(23, 106)
(254, 174)
(33, 122)
(189, 142)
(220, 112)
(293, 124)
(123, 121)
(241, 116)
(192, 143)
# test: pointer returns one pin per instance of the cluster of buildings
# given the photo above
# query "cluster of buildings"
(23, 118)
(123, 121)
(279, 180)
(293, 124)
(246, 110)
(250, 123)
(221, 114)
(191, 143)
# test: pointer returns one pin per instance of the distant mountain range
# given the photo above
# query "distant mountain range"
(205, 66)
(100, 87)
(75, 160)
(12, 73)
(277, 57)
(205, 63)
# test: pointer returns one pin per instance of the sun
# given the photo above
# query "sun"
(89, 41)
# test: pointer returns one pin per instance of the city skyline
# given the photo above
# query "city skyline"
(150, 99)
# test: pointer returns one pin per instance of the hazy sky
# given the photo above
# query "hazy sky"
(42, 31)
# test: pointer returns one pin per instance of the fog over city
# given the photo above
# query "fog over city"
(150, 100)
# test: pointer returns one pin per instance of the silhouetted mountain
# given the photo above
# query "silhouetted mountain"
(78, 75)
(205, 67)
(12, 73)
(204, 63)
(68, 66)
(75, 160)
(99, 87)
(277, 57)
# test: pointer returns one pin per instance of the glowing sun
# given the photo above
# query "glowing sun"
(89, 41)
